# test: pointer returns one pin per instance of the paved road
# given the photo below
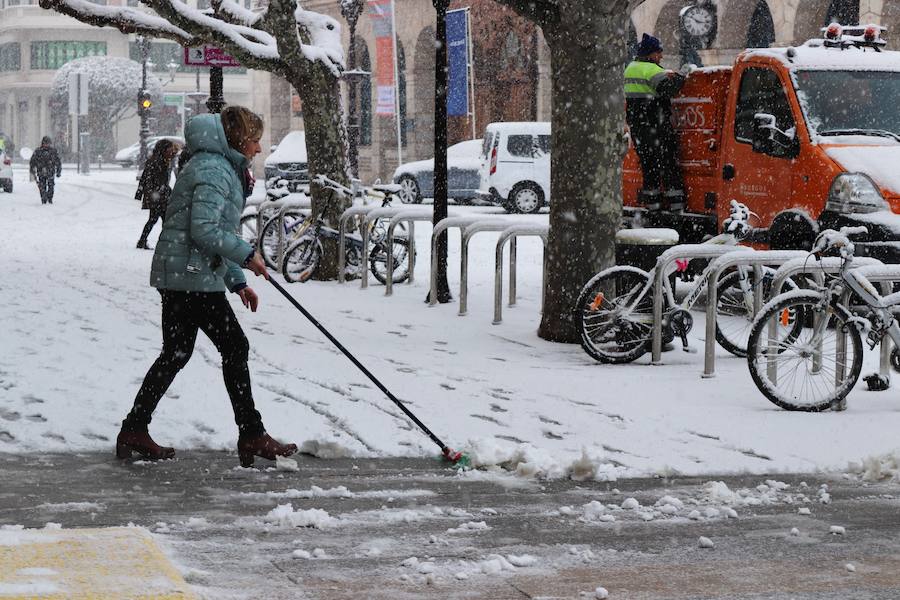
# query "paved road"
(412, 528)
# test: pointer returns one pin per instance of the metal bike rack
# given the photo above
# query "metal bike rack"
(370, 217)
(818, 269)
(662, 265)
(467, 234)
(266, 205)
(353, 211)
(459, 222)
(509, 235)
(884, 274)
(410, 215)
(287, 205)
(757, 260)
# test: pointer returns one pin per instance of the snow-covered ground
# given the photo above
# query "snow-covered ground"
(80, 326)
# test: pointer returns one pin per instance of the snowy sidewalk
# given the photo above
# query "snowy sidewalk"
(79, 327)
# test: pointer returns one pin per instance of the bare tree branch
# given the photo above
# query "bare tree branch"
(125, 19)
(232, 12)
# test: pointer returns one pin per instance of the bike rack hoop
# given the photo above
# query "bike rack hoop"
(717, 267)
(467, 234)
(809, 265)
(885, 274)
(509, 235)
(353, 211)
(461, 222)
(370, 217)
(662, 265)
(409, 215)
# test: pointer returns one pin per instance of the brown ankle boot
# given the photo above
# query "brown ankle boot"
(264, 446)
(143, 444)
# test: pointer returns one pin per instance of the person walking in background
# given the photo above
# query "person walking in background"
(153, 190)
(198, 257)
(648, 112)
(44, 167)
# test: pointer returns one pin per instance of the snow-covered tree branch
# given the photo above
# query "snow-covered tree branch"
(301, 46)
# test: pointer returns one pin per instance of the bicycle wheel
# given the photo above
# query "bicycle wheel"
(301, 259)
(249, 231)
(608, 333)
(268, 241)
(734, 307)
(378, 261)
(794, 369)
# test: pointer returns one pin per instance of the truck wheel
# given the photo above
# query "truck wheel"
(526, 198)
(791, 231)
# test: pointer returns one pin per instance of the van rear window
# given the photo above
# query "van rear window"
(486, 146)
(519, 145)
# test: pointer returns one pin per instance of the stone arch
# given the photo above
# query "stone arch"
(761, 29)
(423, 95)
(739, 22)
(812, 15)
(666, 29)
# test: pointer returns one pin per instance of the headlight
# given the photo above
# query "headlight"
(854, 193)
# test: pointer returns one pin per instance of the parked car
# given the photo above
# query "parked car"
(6, 173)
(416, 179)
(128, 157)
(287, 168)
(515, 165)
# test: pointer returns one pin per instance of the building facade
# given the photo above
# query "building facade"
(35, 43)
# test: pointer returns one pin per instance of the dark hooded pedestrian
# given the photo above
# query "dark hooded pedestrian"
(153, 190)
(45, 166)
(197, 259)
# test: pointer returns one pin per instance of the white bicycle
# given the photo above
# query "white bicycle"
(814, 366)
(614, 311)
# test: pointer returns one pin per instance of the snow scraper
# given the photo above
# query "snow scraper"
(457, 458)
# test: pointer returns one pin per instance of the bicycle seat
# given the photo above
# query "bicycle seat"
(387, 188)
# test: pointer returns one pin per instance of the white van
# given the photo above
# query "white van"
(515, 165)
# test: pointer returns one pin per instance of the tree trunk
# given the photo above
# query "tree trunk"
(326, 145)
(588, 52)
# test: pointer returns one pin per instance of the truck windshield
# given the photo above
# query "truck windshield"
(851, 102)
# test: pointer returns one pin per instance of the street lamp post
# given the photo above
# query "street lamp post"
(442, 293)
(143, 96)
(351, 10)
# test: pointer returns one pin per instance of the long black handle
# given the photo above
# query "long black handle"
(359, 365)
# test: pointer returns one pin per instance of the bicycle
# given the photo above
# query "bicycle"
(614, 311)
(814, 369)
(303, 255)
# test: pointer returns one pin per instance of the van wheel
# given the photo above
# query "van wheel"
(791, 231)
(526, 198)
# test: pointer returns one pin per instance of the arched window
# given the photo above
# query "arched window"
(401, 90)
(365, 93)
(761, 33)
(845, 12)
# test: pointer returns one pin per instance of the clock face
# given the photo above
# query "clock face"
(698, 20)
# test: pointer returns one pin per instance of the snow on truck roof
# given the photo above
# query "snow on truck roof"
(815, 55)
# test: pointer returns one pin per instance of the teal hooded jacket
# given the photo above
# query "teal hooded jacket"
(199, 249)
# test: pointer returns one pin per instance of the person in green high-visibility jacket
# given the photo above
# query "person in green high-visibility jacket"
(648, 112)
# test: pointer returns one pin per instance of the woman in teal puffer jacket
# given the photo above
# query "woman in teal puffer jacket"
(198, 257)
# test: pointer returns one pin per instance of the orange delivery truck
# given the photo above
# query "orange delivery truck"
(807, 137)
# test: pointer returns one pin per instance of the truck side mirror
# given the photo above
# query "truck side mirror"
(768, 139)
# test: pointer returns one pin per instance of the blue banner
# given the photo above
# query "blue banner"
(458, 64)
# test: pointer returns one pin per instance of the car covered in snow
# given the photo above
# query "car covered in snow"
(6, 173)
(416, 179)
(128, 156)
(287, 167)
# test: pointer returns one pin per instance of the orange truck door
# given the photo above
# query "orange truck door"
(761, 177)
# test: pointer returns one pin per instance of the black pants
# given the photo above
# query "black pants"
(45, 187)
(183, 314)
(156, 213)
(657, 150)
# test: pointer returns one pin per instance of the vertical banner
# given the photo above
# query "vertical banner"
(381, 13)
(458, 63)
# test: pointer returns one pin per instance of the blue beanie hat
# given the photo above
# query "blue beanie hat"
(648, 45)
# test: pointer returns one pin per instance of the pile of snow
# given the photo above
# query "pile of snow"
(326, 449)
(285, 516)
(526, 460)
(877, 468)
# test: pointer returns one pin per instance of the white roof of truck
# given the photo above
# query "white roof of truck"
(813, 55)
(533, 127)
